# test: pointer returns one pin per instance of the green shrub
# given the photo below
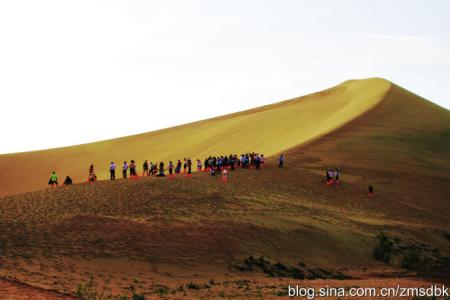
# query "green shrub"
(383, 249)
(193, 286)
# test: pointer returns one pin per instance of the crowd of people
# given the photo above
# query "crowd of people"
(212, 164)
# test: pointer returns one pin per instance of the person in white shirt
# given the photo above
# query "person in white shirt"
(124, 170)
(112, 170)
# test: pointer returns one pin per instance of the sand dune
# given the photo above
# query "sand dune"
(268, 129)
(161, 234)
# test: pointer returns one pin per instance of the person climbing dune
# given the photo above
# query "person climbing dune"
(371, 193)
(281, 161)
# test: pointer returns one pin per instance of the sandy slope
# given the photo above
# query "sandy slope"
(268, 129)
(160, 234)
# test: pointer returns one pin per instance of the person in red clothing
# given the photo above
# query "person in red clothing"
(371, 194)
(199, 165)
(92, 177)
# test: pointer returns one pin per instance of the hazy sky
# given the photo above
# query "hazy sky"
(80, 71)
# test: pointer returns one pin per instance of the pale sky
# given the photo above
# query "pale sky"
(73, 72)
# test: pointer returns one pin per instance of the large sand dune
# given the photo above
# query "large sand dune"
(268, 129)
(161, 234)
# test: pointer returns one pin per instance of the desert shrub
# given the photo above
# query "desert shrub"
(340, 276)
(135, 295)
(413, 260)
(192, 286)
(281, 293)
(273, 270)
(383, 249)
(212, 282)
(160, 289)
(447, 235)
(91, 291)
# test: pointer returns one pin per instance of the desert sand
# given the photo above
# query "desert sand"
(197, 237)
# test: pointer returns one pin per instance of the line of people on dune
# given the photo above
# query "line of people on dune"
(212, 164)
(215, 165)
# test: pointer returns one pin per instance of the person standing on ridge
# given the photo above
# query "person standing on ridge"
(124, 170)
(178, 167)
(189, 164)
(199, 166)
(281, 161)
(153, 169)
(184, 165)
(112, 171)
(53, 181)
(145, 167)
(161, 170)
(133, 169)
(232, 162)
(92, 177)
(150, 169)
(170, 168)
(257, 160)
